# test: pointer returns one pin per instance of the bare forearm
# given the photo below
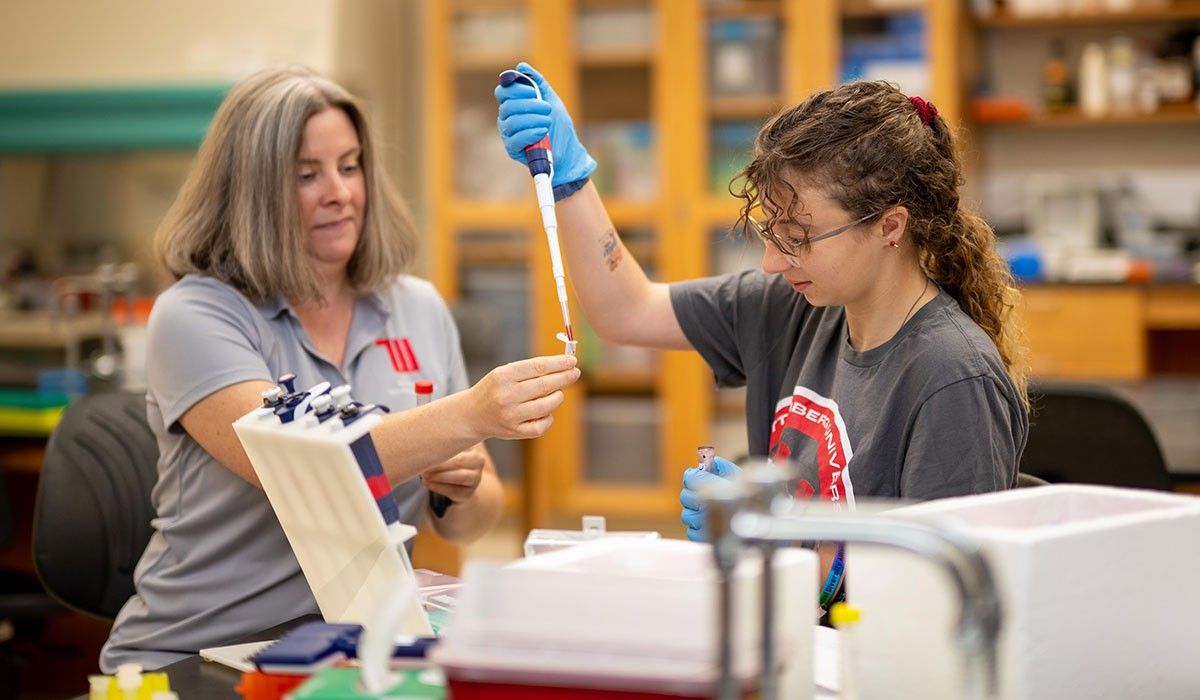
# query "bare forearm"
(620, 302)
(409, 442)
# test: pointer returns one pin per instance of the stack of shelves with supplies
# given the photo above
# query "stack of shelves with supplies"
(1121, 330)
(617, 440)
(667, 94)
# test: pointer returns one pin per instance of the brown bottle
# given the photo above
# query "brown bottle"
(1056, 79)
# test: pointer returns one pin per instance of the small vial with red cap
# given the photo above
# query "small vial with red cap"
(438, 503)
(424, 391)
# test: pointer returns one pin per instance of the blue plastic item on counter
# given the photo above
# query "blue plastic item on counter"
(314, 645)
(72, 382)
(309, 647)
(1026, 266)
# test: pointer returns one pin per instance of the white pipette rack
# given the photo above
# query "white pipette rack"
(316, 487)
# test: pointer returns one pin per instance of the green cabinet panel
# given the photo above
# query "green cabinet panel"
(106, 120)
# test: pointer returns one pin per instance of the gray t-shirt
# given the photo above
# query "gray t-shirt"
(218, 566)
(930, 413)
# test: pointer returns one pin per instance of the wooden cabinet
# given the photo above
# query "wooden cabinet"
(1085, 332)
(1106, 331)
(657, 87)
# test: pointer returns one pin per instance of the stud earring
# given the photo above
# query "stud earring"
(893, 244)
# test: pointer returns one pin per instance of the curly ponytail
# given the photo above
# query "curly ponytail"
(961, 257)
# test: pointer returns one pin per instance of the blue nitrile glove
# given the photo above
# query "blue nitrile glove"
(694, 479)
(524, 120)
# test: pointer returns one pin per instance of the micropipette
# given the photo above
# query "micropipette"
(541, 167)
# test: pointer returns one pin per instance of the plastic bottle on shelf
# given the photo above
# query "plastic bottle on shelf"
(1122, 74)
(1146, 82)
(1093, 81)
(1056, 78)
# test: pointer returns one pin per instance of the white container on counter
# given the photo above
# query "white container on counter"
(1099, 593)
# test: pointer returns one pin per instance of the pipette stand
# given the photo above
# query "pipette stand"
(315, 485)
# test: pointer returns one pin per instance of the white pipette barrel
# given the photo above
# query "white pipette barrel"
(545, 197)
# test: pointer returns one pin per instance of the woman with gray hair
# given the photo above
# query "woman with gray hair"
(289, 247)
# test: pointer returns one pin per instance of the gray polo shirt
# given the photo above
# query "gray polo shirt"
(928, 414)
(218, 566)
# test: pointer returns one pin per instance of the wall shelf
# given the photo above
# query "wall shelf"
(744, 8)
(478, 5)
(480, 61)
(626, 213)
(636, 56)
(856, 9)
(749, 107)
(1185, 113)
(492, 214)
(1172, 12)
(494, 252)
(612, 381)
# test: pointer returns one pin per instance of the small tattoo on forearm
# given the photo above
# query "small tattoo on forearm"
(612, 249)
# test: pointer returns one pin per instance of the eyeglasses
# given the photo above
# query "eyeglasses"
(790, 251)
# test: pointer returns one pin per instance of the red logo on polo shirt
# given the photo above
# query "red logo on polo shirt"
(811, 414)
(401, 354)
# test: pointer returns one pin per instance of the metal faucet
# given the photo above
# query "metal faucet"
(737, 519)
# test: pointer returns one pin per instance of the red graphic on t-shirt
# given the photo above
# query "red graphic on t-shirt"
(401, 354)
(811, 414)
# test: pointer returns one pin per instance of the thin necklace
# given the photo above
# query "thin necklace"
(914, 304)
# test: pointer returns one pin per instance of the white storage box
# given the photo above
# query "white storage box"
(625, 615)
(1100, 590)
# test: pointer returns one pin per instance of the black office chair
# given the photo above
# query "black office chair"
(93, 511)
(1090, 434)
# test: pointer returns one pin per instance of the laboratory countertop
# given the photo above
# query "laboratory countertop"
(21, 329)
(196, 679)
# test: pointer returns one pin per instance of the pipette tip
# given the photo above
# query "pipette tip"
(571, 345)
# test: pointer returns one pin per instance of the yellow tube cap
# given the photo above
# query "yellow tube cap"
(844, 615)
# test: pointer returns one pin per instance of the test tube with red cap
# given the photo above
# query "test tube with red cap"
(438, 503)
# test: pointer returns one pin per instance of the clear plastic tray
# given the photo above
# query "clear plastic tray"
(593, 527)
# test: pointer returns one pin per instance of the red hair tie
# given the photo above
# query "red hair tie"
(925, 109)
